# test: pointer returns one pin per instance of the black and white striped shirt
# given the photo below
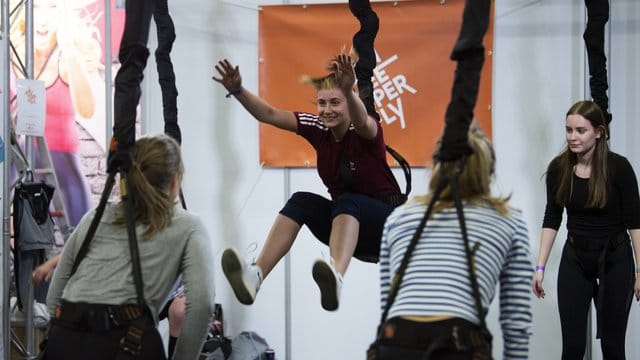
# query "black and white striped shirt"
(437, 280)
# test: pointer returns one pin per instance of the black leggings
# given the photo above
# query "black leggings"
(577, 287)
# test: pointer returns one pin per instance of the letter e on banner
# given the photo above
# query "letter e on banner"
(411, 82)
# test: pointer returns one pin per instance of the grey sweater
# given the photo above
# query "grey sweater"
(105, 275)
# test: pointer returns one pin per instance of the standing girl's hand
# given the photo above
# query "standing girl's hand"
(536, 284)
(636, 288)
(229, 77)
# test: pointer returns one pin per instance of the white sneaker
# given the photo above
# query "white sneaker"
(244, 279)
(330, 283)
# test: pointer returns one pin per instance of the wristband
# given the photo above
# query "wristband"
(637, 270)
(234, 93)
(540, 268)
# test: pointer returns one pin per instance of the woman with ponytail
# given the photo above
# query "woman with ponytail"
(90, 307)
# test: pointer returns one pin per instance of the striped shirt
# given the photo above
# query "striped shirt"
(437, 282)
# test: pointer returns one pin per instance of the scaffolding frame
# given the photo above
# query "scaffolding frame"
(6, 131)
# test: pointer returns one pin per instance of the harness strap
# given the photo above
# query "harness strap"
(96, 317)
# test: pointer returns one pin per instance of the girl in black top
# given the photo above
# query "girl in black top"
(600, 192)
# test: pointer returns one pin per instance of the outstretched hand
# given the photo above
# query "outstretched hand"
(229, 76)
(342, 67)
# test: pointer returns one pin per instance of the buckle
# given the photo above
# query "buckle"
(131, 343)
(457, 340)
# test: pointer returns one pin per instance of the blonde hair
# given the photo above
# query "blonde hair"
(155, 162)
(328, 81)
(474, 180)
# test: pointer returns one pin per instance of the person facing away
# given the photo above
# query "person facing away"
(170, 241)
(351, 162)
(599, 190)
(435, 306)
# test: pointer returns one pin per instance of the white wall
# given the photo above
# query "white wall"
(539, 71)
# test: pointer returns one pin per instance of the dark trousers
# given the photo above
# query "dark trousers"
(94, 331)
(577, 287)
(412, 340)
(69, 344)
(317, 213)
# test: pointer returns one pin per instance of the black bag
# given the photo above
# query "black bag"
(33, 232)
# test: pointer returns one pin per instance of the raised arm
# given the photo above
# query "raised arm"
(261, 110)
(364, 124)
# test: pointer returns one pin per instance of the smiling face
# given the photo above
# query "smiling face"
(581, 135)
(332, 108)
(44, 25)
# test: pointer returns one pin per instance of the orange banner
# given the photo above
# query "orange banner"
(412, 79)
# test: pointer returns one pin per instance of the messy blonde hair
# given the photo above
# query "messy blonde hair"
(328, 81)
(475, 178)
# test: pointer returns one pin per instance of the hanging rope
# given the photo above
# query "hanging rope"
(363, 44)
(597, 17)
(469, 53)
(133, 56)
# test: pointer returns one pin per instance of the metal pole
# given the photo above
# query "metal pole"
(28, 66)
(6, 117)
(27, 305)
(108, 92)
(287, 277)
(287, 266)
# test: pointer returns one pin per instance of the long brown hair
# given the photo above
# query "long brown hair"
(155, 161)
(599, 162)
(475, 179)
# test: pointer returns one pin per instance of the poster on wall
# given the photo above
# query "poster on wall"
(69, 57)
(412, 79)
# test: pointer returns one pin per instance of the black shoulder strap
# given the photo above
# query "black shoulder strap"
(397, 279)
(133, 239)
(131, 232)
(104, 198)
(469, 252)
